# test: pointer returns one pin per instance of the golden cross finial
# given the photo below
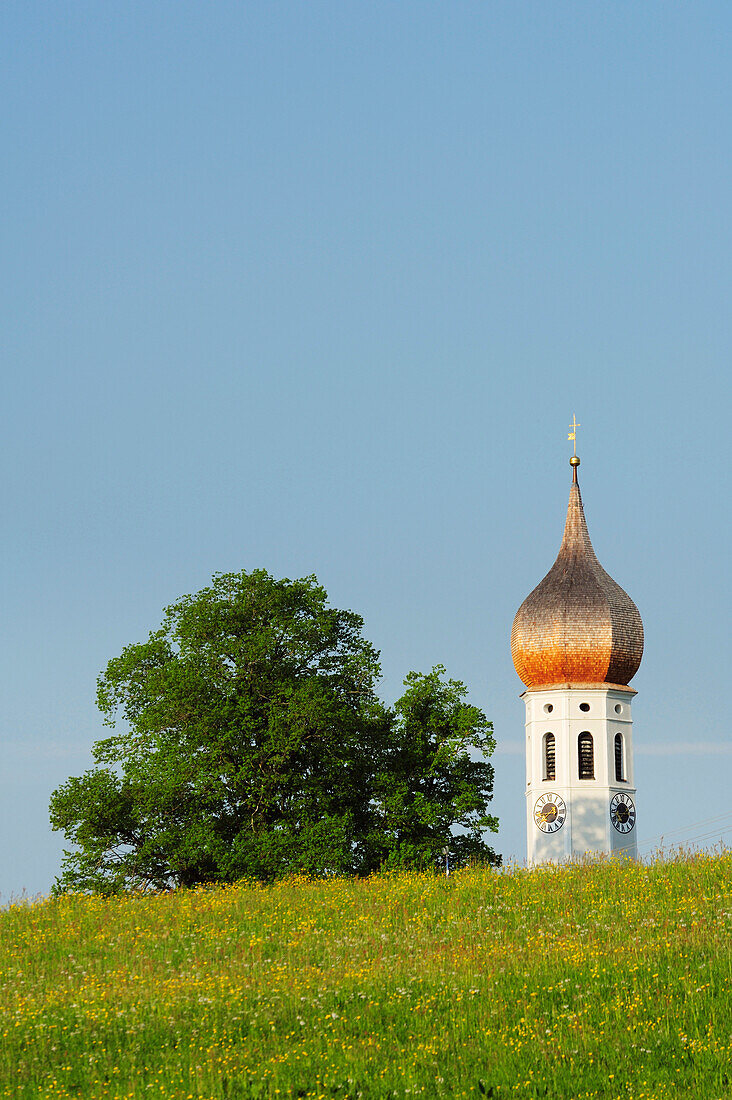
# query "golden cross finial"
(573, 434)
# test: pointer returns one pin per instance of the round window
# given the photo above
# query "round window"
(618, 708)
(548, 708)
(584, 707)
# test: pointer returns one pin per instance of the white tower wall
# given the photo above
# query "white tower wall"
(586, 825)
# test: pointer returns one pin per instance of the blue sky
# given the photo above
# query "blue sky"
(318, 287)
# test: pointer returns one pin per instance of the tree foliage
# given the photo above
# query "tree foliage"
(249, 742)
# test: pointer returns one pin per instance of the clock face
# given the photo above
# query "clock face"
(549, 812)
(622, 813)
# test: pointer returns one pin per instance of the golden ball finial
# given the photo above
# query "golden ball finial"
(574, 460)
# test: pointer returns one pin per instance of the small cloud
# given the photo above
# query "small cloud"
(686, 748)
(673, 748)
(509, 748)
(45, 750)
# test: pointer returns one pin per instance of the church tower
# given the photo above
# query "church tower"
(576, 642)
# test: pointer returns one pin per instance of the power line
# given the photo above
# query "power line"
(646, 841)
(713, 834)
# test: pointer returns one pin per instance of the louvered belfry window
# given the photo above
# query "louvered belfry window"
(619, 758)
(550, 770)
(586, 756)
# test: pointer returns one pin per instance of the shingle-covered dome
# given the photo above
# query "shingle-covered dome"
(578, 626)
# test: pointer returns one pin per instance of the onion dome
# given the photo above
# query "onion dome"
(578, 626)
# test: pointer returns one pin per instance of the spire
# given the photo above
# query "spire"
(578, 625)
(576, 539)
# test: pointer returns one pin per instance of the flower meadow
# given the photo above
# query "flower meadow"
(596, 979)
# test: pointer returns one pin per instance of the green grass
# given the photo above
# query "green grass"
(601, 979)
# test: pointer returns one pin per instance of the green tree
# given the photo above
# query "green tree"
(428, 779)
(249, 742)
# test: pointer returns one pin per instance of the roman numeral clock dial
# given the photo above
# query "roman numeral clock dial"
(622, 813)
(549, 812)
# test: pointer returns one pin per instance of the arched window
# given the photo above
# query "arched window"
(586, 756)
(550, 771)
(619, 777)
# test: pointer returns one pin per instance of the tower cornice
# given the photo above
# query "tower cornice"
(604, 686)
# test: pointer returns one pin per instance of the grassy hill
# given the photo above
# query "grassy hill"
(593, 980)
